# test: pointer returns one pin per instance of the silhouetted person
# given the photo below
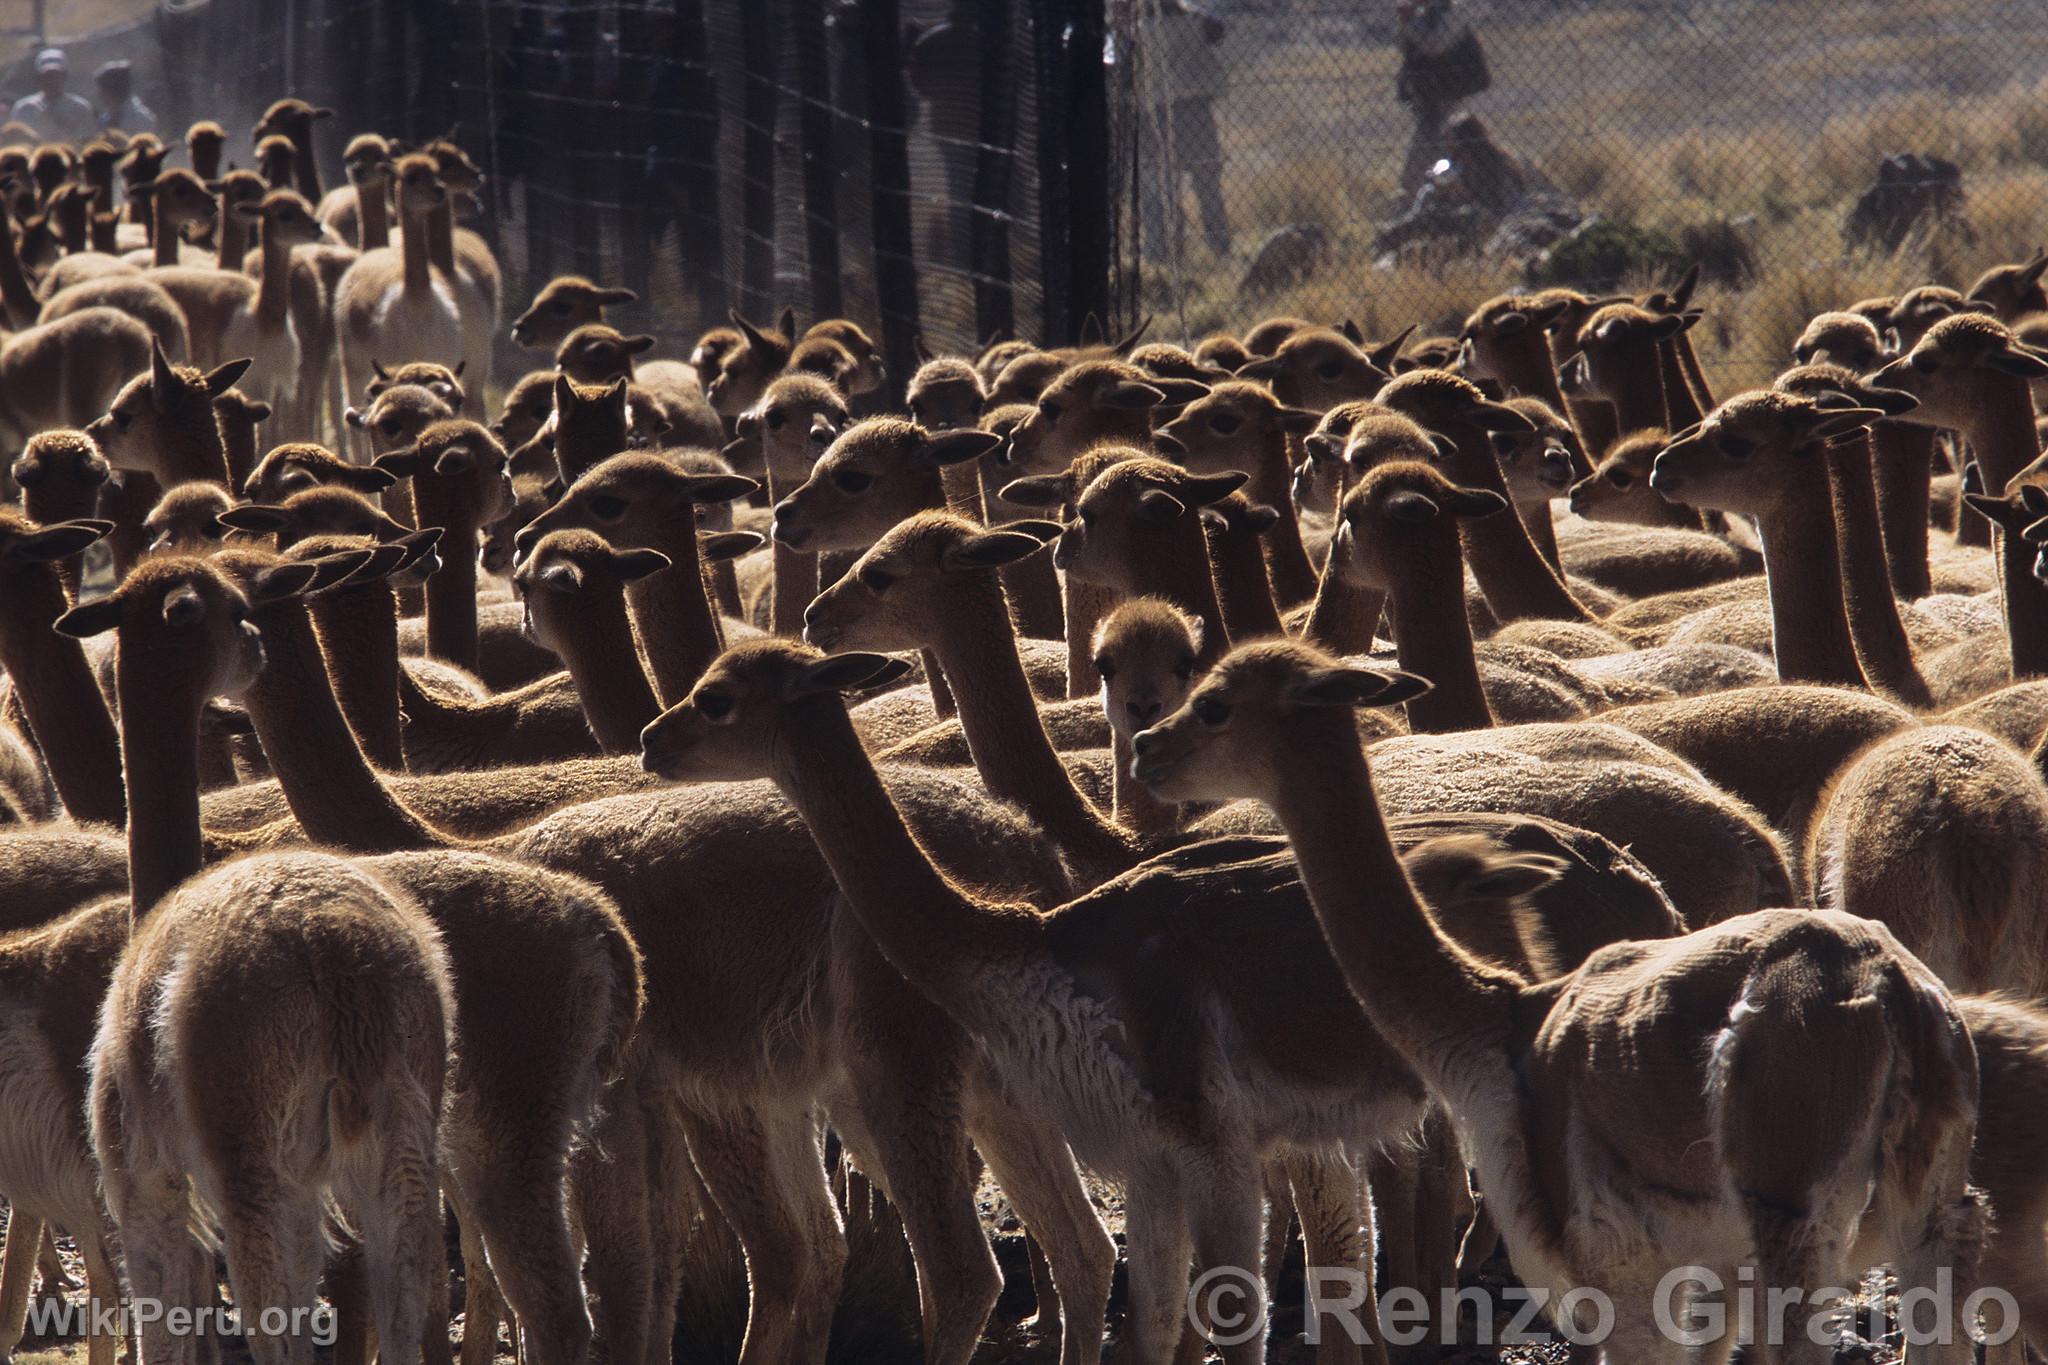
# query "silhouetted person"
(114, 93)
(1441, 65)
(1179, 77)
(54, 114)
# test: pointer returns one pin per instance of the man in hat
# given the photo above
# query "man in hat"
(114, 92)
(53, 113)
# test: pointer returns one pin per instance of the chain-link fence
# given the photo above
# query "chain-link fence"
(961, 167)
(927, 167)
(1398, 161)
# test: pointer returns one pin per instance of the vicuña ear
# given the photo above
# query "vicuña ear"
(364, 478)
(1837, 421)
(1491, 416)
(1382, 356)
(844, 672)
(958, 447)
(162, 378)
(259, 517)
(455, 460)
(88, 619)
(59, 540)
(636, 344)
(1200, 490)
(1156, 507)
(1413, 508)
(699, 488)
(402, 463)
(988, 549)
(1180, 392)
(1356, 687)
(1035, 490)
(2023, 364)
(720, 546)
(280, 581)
(1128, 395)
(361, 565)
(1474, 503)
(608, 297)
(631, 565)
(223, 379)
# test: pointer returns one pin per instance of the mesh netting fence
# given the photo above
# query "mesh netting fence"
(913, 166)
(957, 168)
(1398, 161)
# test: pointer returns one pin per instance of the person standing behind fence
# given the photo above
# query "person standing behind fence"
(114, 92)
(1180, 77)
(54, 114)
(1441, 65)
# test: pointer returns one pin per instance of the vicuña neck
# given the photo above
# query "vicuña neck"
(978, 652)
(373, 217)
(1272, 483)
(1031, 584)
(231, 242)
(678, 630)
(188, 446)
(451, 596)
(796, 575)
(326, 780)
(1244, 594)
(1345, 615)
(1083, 605)
(415, 254)
(1882, 645)
(441, 236)
(61, 698)
(304, 168)
(1900, 461)
(17, 300)
(274, 290)
(1175, 566)
(160, 755)
(358, 631)
(1592, 418)
(1639, 403)
(237, 445)
(929, 930)
(2001, 435)
(1681, 407)
(1809, 625)
(597, 646)
(164, 238)
(1421, 991)
(1518, 583)
(1433, 639)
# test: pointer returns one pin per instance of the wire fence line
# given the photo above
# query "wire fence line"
(958, 168)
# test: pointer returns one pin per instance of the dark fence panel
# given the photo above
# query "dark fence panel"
(895, 162)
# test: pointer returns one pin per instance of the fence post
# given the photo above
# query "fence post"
(1088, 206)
(888, 130)
(1049, 23)
(757, 159)
(995, 301)
(700, 231)
(821, 174)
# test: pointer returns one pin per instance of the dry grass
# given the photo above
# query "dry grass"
(1661, 114)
